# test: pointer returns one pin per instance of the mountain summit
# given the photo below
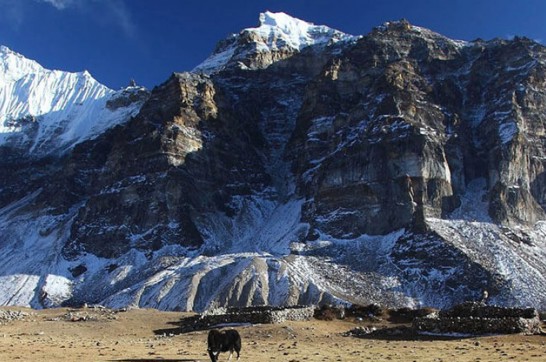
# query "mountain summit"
(278, 37)
(279, 30)
(44, 111)
(296, 165)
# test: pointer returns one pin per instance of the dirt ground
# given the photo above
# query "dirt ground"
(148, 335)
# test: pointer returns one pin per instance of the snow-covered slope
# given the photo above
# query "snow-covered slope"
(267, 265)
(43, 110)
(278, 34)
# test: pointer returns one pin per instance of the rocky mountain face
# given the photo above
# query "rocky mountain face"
(296, 165)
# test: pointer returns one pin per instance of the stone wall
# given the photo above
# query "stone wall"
(8, 316)
(476, 318)
(473, 309)
(253, 315)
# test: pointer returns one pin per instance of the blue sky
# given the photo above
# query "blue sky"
(117, 40)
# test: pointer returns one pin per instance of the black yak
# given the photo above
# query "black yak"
(224, 341)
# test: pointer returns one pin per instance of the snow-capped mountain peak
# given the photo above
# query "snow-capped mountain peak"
(44, 110)
(13, 65)
(277, 33)
(279, 29)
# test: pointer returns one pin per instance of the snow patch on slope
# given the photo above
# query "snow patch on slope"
(262, 226)
(519, 264)
(474, 203)
(33, 270)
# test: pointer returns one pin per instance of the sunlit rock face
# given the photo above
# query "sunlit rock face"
(296, 165)
(405, 109)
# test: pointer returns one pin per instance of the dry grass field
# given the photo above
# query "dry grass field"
(150, 335)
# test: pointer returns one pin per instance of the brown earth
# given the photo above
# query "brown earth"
(92, 334)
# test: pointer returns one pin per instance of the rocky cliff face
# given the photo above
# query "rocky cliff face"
(405, 119)
(299, 165)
